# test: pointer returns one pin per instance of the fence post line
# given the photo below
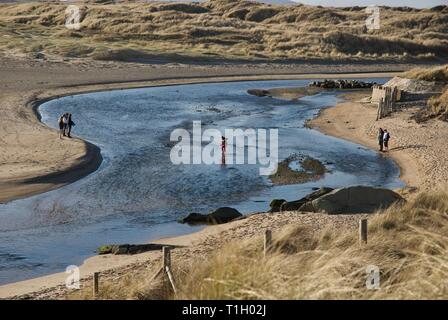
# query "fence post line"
(96, 280)
(363, 231)
(267, 240)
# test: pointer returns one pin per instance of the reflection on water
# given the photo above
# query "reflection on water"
(138, 194)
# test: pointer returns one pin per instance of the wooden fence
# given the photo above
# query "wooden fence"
(387, 98)
(165, 269)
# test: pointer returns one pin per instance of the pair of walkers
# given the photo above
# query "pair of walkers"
(65, 125)
(383, 139)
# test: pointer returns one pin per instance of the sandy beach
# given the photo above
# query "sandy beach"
(419, 149)
(35, 160)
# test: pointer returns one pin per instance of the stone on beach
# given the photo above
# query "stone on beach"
(276, 204)
(296, 205)
(128, 248)
(356, 199)
(220, 215)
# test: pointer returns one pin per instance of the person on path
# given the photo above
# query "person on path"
(65, 124)
(380, 138)
(386, 138)
(61, 126)
(70, 124)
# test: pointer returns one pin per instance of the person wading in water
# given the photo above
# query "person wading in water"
(380, 138)
(223, 150)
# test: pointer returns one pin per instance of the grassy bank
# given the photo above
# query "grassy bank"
(437, 106)
(408, 244)
(222, 29)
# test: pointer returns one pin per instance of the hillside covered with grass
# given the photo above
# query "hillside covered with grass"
(222, 29)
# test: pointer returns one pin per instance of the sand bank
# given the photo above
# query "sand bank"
(419, 149)
(35, 160)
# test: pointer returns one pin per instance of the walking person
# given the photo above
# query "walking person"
(65, 124)
(70, 124)
(380, 138)
(61, 126)
(386, 138)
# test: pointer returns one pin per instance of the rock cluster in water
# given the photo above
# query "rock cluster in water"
(342, 84)
(259, 92)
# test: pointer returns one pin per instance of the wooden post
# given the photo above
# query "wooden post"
(96, 280)
(267, 241)
(386, 102)
(363, 231)
(166, 257)
(171, 279)
(380, 109)
(158, 273)
(394, 98)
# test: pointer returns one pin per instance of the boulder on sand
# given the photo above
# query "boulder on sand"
(356, 199)
(220, 215)
(292, 205)
(276, 204)
(296, 205)
(128, 248)
(318, 193)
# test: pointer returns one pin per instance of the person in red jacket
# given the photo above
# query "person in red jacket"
(223, 149)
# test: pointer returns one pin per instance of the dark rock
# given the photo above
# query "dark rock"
(129, 248)
(342, 84)
(276, 204)
(357, 199)
(194, 218)
(296, 205)
(316, 194)
(221, 215)
(120, 249)
(307, 207)
(259, 92)
(292, 205)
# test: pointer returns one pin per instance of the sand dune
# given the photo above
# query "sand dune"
(160, 32)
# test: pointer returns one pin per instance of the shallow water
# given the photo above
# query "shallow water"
(138, 194)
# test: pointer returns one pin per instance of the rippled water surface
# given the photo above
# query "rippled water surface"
(138, 194)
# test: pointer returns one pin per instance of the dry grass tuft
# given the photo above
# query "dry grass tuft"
(437, 106)
(439, 74)
(408, 243)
